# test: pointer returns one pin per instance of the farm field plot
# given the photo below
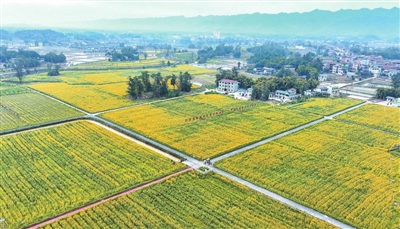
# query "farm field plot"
(191, 200)
(375, 116)
(340, 169)
(205, 125)
(53, 170)
(19, 110)
(188, 68)
(109, 65)
(326, 106)
(11, 89)
(92, 98)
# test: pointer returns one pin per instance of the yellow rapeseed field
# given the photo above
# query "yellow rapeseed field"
(189, 68)
(326, 106)
(342, 170)
(191, 201)
(51, 171)
(26, 109)
(375, 116)
(210, 134)
(92, 98)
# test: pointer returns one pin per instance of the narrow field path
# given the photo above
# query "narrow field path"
(105, 200)
(262, 142)
(284, 200)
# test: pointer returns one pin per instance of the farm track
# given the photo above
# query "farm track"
(195, 164)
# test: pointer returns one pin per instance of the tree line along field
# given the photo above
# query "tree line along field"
(208, 125)
(326, 106)
(19, 110)
(191, 200)
(54, 170)
(375, 116)
(340, 169)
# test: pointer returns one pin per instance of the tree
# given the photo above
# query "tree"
(164, 88)
(396, 81)
(238, 64)
(18, 66)
(53, 71)
(284, 72)
(312, 84)
(135, 87)
(168, 63)
(145, 78)
(173, 80)
(156, 84)
(145, 55)
(184, 82)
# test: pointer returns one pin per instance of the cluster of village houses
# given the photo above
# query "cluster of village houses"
(232, 87)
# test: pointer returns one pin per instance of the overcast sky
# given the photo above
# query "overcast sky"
(56, 12)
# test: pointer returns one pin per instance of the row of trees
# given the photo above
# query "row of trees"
(381, 93)
(126, 54)
(276, 56)
(220, 50)
(264, 86)
(388, 53)
(157, 86)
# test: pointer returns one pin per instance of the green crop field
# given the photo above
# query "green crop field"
(213, 132)
(191, 201)
(19, 110)
(342, 170)
(54, 170)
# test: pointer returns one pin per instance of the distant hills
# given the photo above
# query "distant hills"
(383, 23)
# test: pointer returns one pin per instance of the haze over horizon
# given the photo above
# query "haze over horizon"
(57, 12)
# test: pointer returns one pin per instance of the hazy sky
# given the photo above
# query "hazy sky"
(56, 12)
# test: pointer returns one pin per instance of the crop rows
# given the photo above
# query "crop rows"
(375, 116)
(53, 170)
(340, 169)
(191, 201)
(326, 106)
(92, 98)
(26, 109)
(210, 136)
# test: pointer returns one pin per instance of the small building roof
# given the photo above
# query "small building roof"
(228, 81)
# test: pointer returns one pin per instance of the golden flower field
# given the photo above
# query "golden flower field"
(19, 110)
(191, 200)
(375, 116)
(91, 98)
(342, 170)
(210, 135)
(326, 106)
(54, 170)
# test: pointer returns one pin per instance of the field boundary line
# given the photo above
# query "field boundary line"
(136, 141)
(91, 205)
(368, 127)
(282, 134)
